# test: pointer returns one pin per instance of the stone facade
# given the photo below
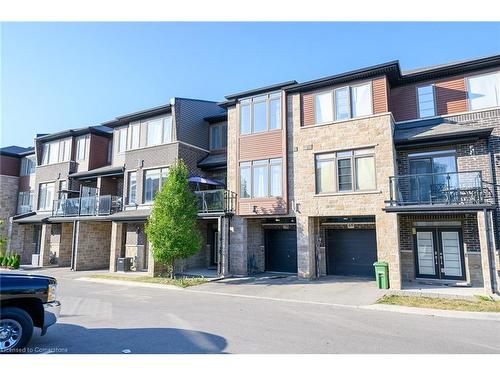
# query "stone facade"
(92, 251)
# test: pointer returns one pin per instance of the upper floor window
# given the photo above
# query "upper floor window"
(426, 103)
(134, 136)
(45, 196)
(218, 136)
(81, 147)
(25, 202)
(56, 151)
(154, 132)
(261, 178)
(343, 103)
(122, 139)
(261, 113)
(153, 181)
(27, 166)
(484, 91)
(345, 171)
(132, 187)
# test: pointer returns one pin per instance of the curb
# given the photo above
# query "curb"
(477, 315)
(129, 283)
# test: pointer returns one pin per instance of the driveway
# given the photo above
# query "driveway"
(103, 318)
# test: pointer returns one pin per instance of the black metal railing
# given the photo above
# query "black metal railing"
(219, 200)
(96, 205)
(456, 188)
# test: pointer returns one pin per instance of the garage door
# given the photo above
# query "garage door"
(281, 250)
(351, 252)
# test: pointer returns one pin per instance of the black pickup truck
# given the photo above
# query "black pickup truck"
(26, 301)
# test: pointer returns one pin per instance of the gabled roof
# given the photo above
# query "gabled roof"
(17, 151)
(99, 130)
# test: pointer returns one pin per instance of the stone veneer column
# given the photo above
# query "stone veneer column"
(486, 257)
(224, 246)
(116, 244)
(238, 247)
(305, 247)
(387, 227)
(44, 245)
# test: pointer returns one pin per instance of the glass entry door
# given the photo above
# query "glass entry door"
(439, 253)
(432, 178)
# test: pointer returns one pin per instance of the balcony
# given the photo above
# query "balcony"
(96, 205)
(215, 201)
(454, 189)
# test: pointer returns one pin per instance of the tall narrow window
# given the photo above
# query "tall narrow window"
(45, 153)
(134, 135)
(275, 112)
(259, 178)
(245, 180)
(484, 91)
(344, 171)
(45, 196)
(167, 129)
(365, 169)
(215, 137)
(259, 115)
(27, 165)
(426, 105)
(361, 98)
(342, 105)
(65, 150)
(325, 173)
(153, 180)
(54, 152)
(323, 107)
(154, 129)
(245, 127)
(122, 140)
(81, 146)
(132, 187)
(275, 177)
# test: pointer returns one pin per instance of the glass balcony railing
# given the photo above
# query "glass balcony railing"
(24, 209)
(87, 206)
(220, 200)
(456, 188)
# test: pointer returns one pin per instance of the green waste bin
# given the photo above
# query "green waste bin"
(382, 274)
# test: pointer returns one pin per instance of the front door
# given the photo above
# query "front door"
(439, 254)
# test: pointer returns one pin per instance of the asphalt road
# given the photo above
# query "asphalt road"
(100, 318)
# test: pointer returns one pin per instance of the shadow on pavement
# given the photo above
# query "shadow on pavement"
(74, 339)
(284, 279)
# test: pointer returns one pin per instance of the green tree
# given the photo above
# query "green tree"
(171, 227)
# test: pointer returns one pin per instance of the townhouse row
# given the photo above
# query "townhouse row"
(317, 178)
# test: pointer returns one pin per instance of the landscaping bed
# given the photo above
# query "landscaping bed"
(480, 303)
(182, 282)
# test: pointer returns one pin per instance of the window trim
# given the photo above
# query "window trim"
(119, 149)
(53, 183)
(332, 93)
(129, 173)
(130, 133)
(250, 164)
(434, 101)
(144, 171)
(352, 159)
(210, 141)
(249, 101)
(25, 163)
(369, 83)
(78, 139)
(467, 88)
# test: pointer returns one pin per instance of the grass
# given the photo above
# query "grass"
(481, 303)
(182, 282)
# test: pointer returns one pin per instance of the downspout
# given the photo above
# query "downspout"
(491, 258)
(74, 239)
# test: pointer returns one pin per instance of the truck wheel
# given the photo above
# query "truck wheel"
(16, 329)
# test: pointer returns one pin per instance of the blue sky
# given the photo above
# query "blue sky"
(56, 76)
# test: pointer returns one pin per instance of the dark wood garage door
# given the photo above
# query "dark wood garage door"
(351, 252)
(281, 250)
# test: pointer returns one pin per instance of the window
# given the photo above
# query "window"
(45, 196)
(361, 99)
(110, 151)
(345, 171)
(261, 178)
(343, 103)
(261, 113)
(218, 136)
(56, 152)
(134, 136)
(63, 187)
(154, 130)
(81, 148)
(27, 165)
(167, 129)
(245, 179)
(153, 181)
(484, 91)
(122, 140)
(132, 187)
(323, 104)
(426, 105)
(325, 173)
(24, 202)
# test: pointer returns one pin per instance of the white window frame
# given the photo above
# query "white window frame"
(432, 85)
(129, 201)
(469, 107)
(223, 144)
(259, 163)
(267, 98)
(81, 142)
(122, 146)
(331, 93)
(44, 207)
(28, 165)
(144, 175)
(132, 139)
(366, 83)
